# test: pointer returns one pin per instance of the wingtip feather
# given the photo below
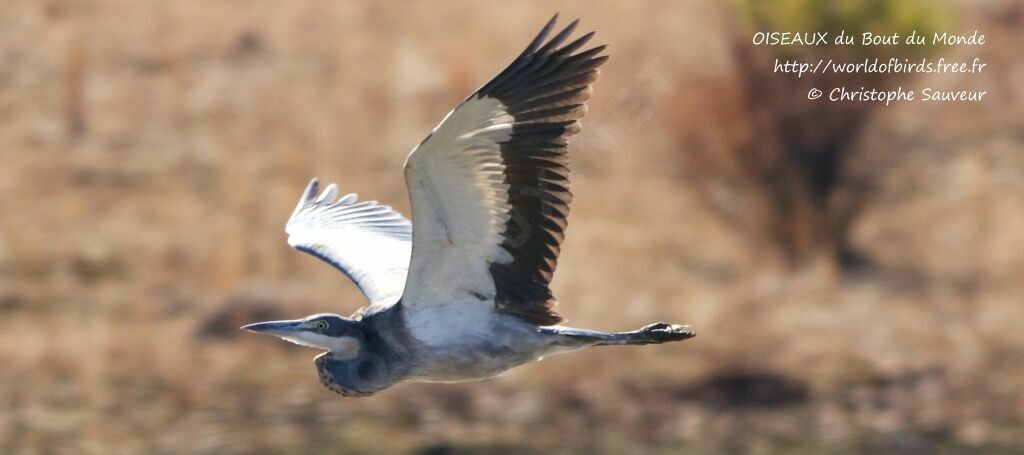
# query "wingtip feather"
(307, 195)
(539, 39)
(330, 192)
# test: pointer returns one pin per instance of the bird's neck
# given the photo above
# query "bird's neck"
(382, 360)
(362, 375)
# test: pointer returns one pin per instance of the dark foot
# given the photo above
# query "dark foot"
(660, 332)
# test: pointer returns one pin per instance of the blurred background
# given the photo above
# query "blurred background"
(855, 272)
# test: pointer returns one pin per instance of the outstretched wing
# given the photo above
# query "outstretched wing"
(490, 186)
(368, 242)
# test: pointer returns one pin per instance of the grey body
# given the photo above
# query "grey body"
(387, 354)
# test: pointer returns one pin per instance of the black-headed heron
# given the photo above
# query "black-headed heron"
(465, 295)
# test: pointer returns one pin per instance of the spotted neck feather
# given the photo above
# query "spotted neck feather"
(382, 361)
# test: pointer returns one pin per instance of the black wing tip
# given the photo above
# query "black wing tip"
(547, 57)
(557, 48)
(542, 43)
(570, 28)
(541, 37)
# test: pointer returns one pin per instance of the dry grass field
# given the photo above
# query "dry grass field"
(150, 153)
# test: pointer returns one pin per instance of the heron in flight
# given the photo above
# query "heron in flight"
(465, 295)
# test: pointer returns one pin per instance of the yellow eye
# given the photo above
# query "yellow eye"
(321, 325)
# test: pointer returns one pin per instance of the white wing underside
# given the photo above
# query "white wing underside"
(456, 185)
(459, 209)
(368, 242)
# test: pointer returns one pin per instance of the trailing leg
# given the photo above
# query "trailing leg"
(656, 333)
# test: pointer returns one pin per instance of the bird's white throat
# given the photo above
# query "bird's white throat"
(341, 347)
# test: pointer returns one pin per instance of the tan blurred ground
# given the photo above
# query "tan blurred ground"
(150, 153)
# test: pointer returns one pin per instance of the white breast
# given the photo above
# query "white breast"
(451, 323)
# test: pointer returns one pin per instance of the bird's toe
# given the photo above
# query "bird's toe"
(657, 327)
(668, 332)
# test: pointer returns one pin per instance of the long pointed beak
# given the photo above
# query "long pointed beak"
(276, 328)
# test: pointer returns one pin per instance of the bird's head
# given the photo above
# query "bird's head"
(343, 337)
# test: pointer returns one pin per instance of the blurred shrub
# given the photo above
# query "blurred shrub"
(766, 159)
(240, 309)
